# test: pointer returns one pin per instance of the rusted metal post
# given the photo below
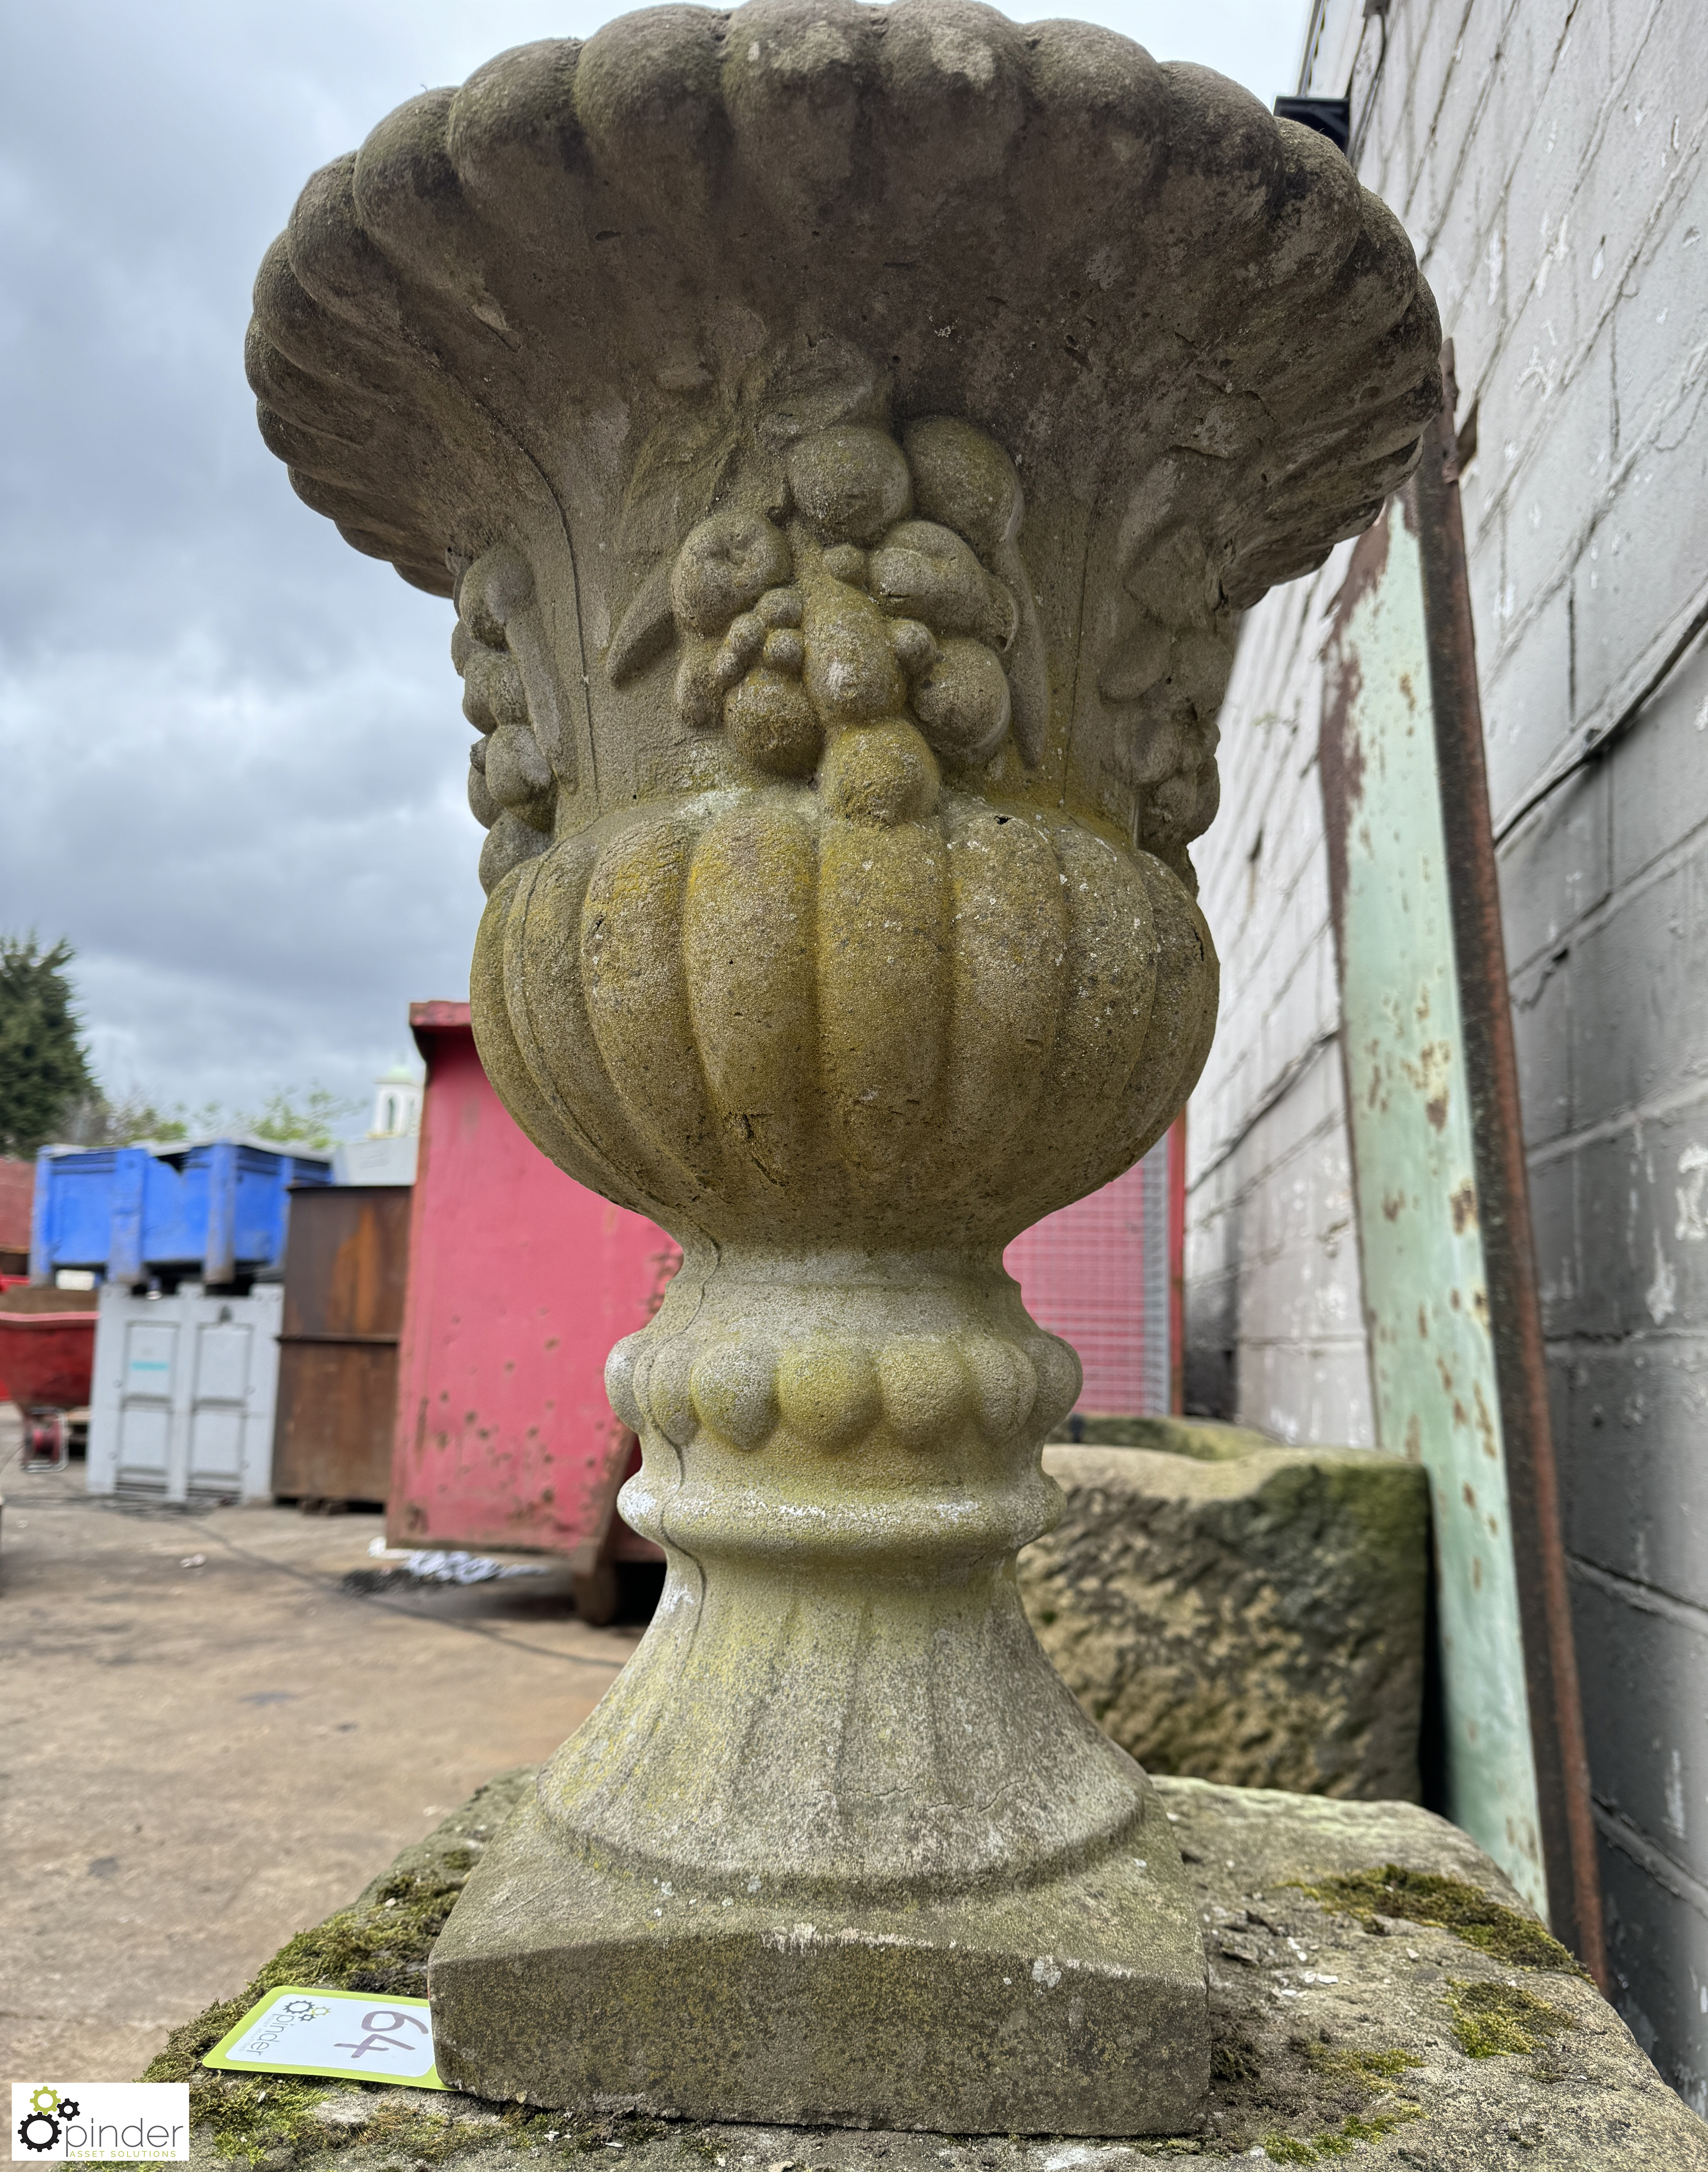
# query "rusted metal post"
(1567, 1830)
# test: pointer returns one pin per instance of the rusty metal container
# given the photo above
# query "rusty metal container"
(346, 1269)
(521, 1280)
(17, 1197)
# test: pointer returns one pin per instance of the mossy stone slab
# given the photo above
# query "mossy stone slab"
(1449, 2035)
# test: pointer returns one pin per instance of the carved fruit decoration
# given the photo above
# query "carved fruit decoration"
(512, 787)
(865, 633)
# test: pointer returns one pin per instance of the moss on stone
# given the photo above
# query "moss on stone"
(1235, 2061)
(1392, 1521)
(1375, 2074)
(1423, 1896)
(1367, 2127)
(1494, 2020)
(1343, 2140)
(1206, 1440)
(1278, 2081)
(276, 2120)
(1377, 2071)
(380, 1945)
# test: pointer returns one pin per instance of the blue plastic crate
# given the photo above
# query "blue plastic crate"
(218, 1208)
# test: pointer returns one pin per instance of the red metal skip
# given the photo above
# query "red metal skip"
(520, 1281)
(1106, 1273)
(47, 1358)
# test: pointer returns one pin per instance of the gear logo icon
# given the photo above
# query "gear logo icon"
(43, 2126)
(39, 2129)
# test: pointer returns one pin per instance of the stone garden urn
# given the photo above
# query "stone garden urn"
(850, 435)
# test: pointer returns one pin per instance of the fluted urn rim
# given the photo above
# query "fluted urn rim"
(1128, 272)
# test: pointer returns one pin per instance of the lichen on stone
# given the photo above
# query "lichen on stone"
(380, 1944)
(378, 1947)
(1376, 2070)
(1344, 2140)
(1494, 2020)
(1252, 1614)
(1449, 1904)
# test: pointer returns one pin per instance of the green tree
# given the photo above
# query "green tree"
(43, 1069)
(97, 1119)
(310, 1118)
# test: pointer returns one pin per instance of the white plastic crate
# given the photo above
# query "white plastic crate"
(184, 1387)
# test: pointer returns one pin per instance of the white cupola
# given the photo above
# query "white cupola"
(396, 1103)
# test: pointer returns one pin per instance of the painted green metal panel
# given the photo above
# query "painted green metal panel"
(1426, 1303)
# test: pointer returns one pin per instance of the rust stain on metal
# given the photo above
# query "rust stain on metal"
(345, 1270)
(664, 1262)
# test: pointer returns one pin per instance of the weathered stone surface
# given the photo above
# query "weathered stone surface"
(677, 1998)
(1257, 1619)
(1336, 2031)
(849, 435)
(1210, 1440)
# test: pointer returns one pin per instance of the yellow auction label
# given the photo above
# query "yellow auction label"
(344, 2033)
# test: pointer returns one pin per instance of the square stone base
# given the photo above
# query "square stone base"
(1076, 2006)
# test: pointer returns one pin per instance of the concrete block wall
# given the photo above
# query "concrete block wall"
(1548, 159)
(1275, 1322)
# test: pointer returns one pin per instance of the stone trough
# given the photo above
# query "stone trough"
(1235, 1610)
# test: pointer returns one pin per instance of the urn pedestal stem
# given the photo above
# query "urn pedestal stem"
(839, 1846)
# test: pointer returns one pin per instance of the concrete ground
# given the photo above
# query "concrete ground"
(207, 1744)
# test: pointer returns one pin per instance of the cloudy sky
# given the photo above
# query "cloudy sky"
(232, 760)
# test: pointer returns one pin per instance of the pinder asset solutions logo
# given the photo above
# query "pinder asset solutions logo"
(113, 2121)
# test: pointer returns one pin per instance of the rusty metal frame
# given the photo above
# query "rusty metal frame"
(1503, 1198)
